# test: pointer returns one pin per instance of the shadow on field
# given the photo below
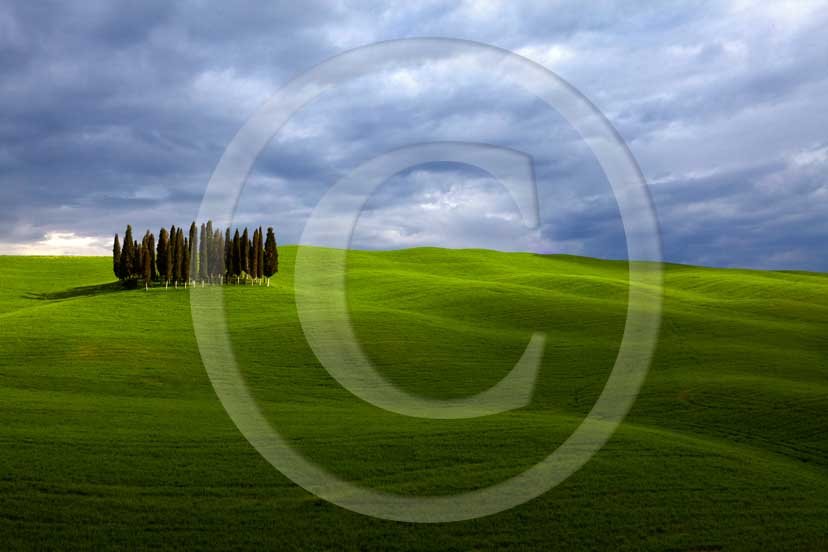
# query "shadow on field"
(82, 291)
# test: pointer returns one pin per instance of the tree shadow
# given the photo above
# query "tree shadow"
(82, 291)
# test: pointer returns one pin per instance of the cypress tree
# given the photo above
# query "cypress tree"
(181, 253)
(116, 258)
(251, 251)
(163, 247)
(185, 265)
(136, 260)
(178, 259)
(254, 255)
(228, 254)
(208, 248)
(168, 261)
(152, 260)
(173, 245)
(271, 256)
(236, 264)
(260, 254)
(209, 234)
(146, 246)
(193, 250)
(127, 255)
(139, 258)
(147, 262)
(144, 241)
(203, 255)
(217, 256)
(245, 252)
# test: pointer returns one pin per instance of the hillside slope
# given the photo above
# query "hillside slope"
(112, 433)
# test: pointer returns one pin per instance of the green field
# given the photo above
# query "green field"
(111, 434)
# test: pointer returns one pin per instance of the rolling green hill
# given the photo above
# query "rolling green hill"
(111, 433)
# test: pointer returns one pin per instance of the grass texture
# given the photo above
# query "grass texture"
(112, 436)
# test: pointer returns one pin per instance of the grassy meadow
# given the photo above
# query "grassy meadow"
(111, 434)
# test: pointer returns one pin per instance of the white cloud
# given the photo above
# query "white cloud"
(548, 55)
(227, 90)
(810, 157)
(60, 243)
(448, 209)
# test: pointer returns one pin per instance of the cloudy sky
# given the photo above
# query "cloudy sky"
(116, 112)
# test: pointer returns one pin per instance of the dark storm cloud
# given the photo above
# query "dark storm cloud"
(114, 111)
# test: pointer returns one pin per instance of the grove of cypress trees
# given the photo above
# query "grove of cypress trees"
(116, 258)
(271, 256)
(204, 254)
